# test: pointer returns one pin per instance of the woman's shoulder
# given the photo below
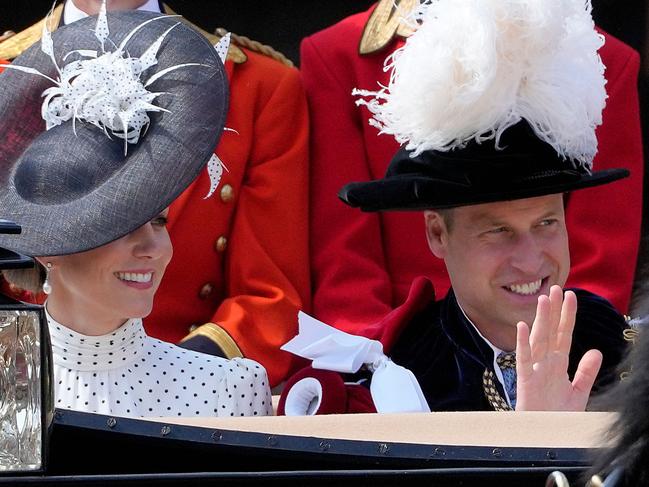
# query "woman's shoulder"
(197, 363)
(239, 385)
(170, 352)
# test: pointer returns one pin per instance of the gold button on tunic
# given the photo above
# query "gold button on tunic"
(227, 193)
(221, 244)
(206, 291)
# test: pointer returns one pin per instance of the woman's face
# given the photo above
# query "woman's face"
(111, 283)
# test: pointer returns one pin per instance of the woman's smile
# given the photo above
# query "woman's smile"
(138, 279)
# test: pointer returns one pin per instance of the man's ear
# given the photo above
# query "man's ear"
(436, 233)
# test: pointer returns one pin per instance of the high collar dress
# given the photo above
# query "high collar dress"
(127, 373)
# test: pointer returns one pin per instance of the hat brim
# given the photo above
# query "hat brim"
(176, 147)
(412, 192)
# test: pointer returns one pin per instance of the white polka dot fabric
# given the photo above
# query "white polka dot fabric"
(128, 373)
(104, 88)
(214, 171)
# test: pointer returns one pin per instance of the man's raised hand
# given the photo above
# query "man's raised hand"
(542, 358)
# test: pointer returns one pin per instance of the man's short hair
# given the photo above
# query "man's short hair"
(447, 215)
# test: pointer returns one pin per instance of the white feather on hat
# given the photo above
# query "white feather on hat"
(473, 68)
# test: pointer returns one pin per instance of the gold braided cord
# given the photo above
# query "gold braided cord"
(630, 334)
(506, 361)
(494, 398)
(256, 46)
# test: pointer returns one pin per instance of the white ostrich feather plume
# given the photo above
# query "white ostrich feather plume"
(473, 68)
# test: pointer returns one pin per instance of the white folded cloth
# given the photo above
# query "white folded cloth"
(394, 388)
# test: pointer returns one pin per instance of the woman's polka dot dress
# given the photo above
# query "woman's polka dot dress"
(128, 373)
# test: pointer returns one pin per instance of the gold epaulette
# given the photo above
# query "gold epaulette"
(235, 54)
(256, 46)
(16, 44)
(384, 24)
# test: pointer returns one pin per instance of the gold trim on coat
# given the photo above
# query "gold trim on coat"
(219, 336)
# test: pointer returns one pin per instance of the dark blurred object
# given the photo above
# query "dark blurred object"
(279, 24)
(625, 20)
(9, 259)
(8, 227)
(627, 461)
(12, 260)
(218, 453)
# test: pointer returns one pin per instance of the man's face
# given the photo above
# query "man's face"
(501, 257)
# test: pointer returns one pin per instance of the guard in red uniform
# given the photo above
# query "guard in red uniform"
(240, 269)
(363, 263)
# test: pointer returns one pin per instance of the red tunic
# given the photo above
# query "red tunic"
(241, 257)
(363, 264)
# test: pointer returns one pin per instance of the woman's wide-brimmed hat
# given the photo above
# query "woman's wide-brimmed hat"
(524, 167)
(125, 134)
(492, 100)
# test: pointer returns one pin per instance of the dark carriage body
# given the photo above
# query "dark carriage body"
(420, 449)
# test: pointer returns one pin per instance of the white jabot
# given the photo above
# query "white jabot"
(128, 373)
(72, 13)
(394, 388)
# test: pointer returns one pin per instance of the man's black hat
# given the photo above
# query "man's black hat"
(524, 167)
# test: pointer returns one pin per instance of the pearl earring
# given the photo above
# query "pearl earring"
(47, 287)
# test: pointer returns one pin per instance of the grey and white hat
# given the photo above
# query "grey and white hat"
(103, 124)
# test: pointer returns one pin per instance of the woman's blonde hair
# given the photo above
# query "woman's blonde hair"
(31, 279)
